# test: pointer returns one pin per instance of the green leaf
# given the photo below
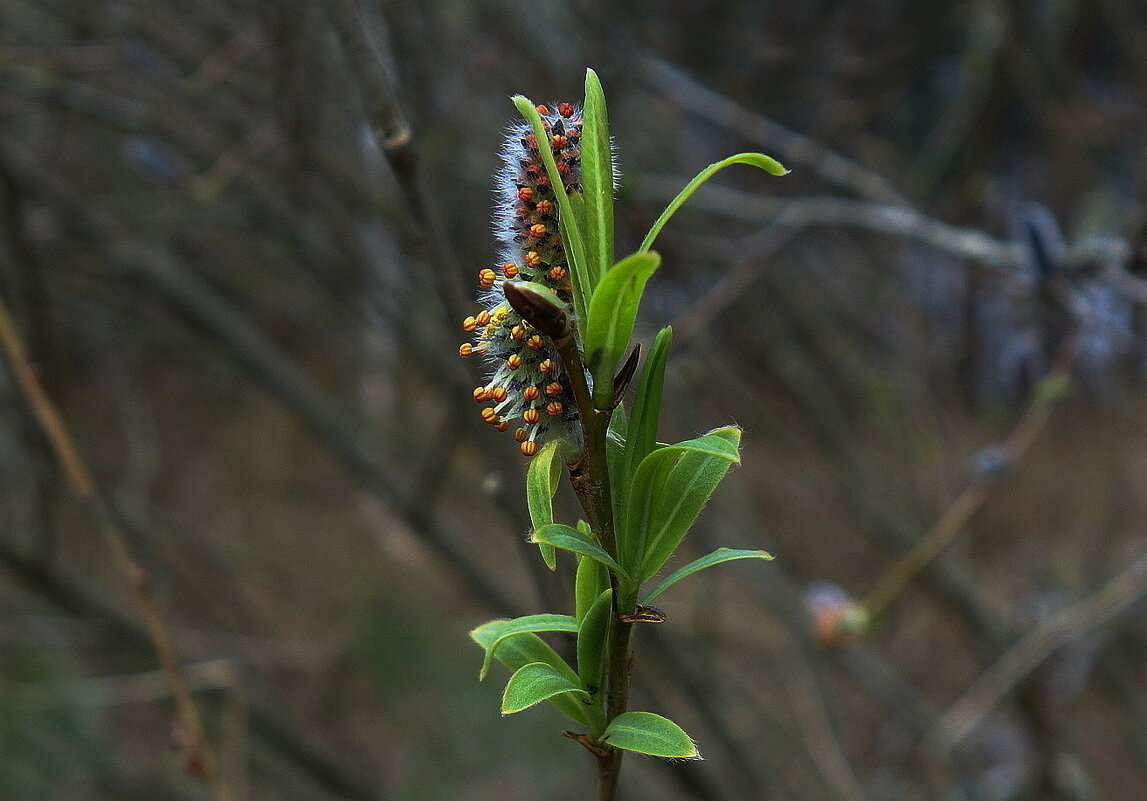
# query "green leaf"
(542, 480)
(521, 625)
(568, 224)
(771, 166)
(670, 487)
(521, 649)
(533, 683)
(589, 582)
(647, 733)
(612, 314)
(646, 411)
(597, 178)
(717, 557)
(570, 539)
(591, 641)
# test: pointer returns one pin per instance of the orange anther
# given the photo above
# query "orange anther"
(535, 342)
(538, 230)
(483, 318)
(566, 109)
(510, 270)
(554, 389)
(526, 193)
(531, 416)
(470, 323)
(533, 259)
(514, 361)
(521, 434)
(554, 408)
(498, 394)
(547, 366)
(486, 278)
(480, 395)
(530, 393)
(528, 448)
(556, 274)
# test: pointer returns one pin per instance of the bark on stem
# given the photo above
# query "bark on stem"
(590, 479)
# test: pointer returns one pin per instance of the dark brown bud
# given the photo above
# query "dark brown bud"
(538, 306)
(625, 374)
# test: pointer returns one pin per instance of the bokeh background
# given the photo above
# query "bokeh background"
(237, 238)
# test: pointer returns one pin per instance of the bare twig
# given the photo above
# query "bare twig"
(1010, 670)
(791, 147)
(199, 751)
(961, 510)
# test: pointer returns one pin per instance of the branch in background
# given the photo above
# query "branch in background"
(395, 137)
(1011, 669)
(792, 148)
(346, 439)
(199, 754)
(961, 510)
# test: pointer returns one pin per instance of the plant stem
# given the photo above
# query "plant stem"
(590, 479)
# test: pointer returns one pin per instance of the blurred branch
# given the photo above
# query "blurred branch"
(787, 145)
(986, 33)
(135, 688)
(265, 715)
(199, 753)
(1013, 667)
(821, 740)
(396, 139)
(298, 392)
(1047, 394)
(790, 216)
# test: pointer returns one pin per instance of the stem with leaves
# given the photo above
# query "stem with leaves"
(639, 497)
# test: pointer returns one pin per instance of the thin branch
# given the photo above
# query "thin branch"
(199, 751)
(961, 510)
(1017, 663)
(790, 147)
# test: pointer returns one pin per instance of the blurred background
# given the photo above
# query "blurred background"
(237, 239)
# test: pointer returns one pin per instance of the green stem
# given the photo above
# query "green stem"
(590, 479)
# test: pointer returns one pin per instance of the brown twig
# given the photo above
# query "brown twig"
(961, 510)
(1026, 655)
(199, 752)
(791, 147)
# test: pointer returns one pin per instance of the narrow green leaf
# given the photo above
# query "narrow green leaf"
(590, 580)
(647, 733)
(570, 539)
(542, 480)
(533, 683)
(687, 489)
(641, 497)
(568, 224)
(591, 641)
(717, 557)
(597, 178)
(771, 166)
(670, 487)
(646, 413)
(521, 625)
(522, 649)
(612, 314)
